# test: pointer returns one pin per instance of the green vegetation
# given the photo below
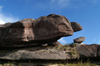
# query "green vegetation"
(63, 47)
(36, 64)
(69, 49)
(80, 63)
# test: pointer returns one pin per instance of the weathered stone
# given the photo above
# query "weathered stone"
(79, 40)
(46, 29)
(87, 51)
(44, 53)
(76, 26)
(47, 54)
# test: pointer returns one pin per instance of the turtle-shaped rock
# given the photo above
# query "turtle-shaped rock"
(46, 29)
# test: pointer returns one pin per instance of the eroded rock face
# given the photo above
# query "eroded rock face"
(79, 40)
(76, 26)
(29, 31)
(47, 54)
(87, 51)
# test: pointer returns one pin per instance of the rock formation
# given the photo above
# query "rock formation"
(29, 54)
(76, 26)
(44, 30)
(37, 39)
(88, 51)
(79, 40)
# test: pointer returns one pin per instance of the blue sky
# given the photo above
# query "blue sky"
(85, 12)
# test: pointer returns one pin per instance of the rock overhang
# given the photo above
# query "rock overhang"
(46, 29)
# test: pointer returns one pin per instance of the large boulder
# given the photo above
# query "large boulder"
(79, 40)
(87, 51)
(44, 54)
(29, 31)
(76, 26)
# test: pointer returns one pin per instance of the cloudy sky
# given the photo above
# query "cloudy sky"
(85, 12)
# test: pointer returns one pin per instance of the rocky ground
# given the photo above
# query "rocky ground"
(36, 40)
(52, 55)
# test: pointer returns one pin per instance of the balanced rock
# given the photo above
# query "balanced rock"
(29, 31)
(76, 26)
(79, 40)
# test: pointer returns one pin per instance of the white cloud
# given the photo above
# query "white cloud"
(2, 22)
(71, 3)
(6, 17)
(60, 3)
(62, 41)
